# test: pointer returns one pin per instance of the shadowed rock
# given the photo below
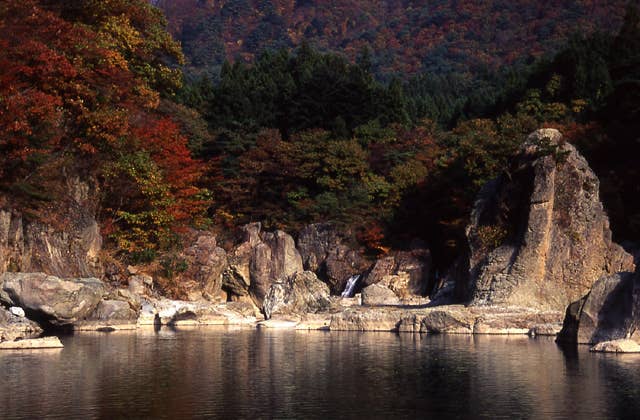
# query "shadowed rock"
(324, 250)
(611, 311)
(14, 327)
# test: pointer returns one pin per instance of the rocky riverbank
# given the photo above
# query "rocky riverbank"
(539, 241)
(88, 305)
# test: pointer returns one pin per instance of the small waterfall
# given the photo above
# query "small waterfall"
(351, 285)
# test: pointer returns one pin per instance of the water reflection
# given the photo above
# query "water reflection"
(215, 372)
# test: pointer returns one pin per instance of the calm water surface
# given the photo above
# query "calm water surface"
(221, 373)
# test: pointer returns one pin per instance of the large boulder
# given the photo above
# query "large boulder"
(110, 314)
(539, 236)
(377, 294)
(300, 293)
(611, 311)
(52, 299)
(70, 247)
(286, 259)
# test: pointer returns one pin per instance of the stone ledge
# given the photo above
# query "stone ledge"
(32, 343)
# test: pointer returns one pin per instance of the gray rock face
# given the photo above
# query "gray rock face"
(300, 293)
(274, 259)
(569, 331)
(539, 236)
(451, 319)
(377, 294)
(33, 246)
(60, 301)
(611, 311)
(14, 327)
(383, 267)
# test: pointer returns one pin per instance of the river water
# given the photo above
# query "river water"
(224, 373)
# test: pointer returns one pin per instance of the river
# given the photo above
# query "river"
(245, 373)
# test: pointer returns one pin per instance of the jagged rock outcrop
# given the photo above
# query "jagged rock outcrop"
(52, 299)
(68, 249)
(275, 258)
(324, 250)
(539, 236)
(206, 262)
(236, 278)
(300, 293)
(110, 313)
(610, 311)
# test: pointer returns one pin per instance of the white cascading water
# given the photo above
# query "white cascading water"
(351, 285)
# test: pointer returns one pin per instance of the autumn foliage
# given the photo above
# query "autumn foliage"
(79, 86)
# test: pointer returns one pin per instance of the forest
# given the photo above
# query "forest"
(394, 150)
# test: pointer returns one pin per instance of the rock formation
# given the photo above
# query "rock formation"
(300, 293)
(14, 327)
(324, 250)
(617, 346)
(377, 294)
(539, 236)
(34, 246)
(49, 298)
(236, 278)
(274, 259)
(206, 262)
(610, 311)
(404, 272)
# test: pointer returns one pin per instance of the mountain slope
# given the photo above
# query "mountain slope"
(403, 35)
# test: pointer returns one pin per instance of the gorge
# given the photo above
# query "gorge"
(538, 242)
